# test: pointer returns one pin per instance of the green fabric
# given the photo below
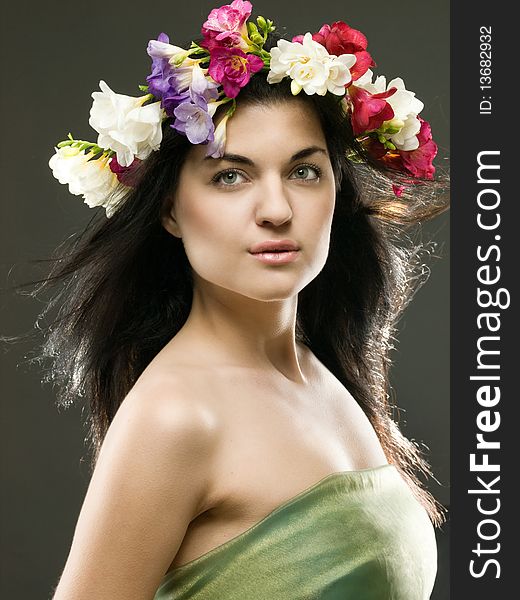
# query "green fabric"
(353, 535)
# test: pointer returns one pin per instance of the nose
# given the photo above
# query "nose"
(273, 204)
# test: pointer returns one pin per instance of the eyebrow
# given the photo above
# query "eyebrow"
(237, 158)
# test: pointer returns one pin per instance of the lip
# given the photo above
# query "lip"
(277, 258)
(274, 246)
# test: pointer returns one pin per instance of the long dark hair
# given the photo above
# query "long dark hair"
(127, 284)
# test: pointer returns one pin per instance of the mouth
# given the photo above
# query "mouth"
(276, 252)
(277, 256)
(274, 246)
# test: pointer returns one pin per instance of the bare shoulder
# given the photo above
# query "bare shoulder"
(171, 405)
(151, 479)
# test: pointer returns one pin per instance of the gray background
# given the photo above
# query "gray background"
(53, 58)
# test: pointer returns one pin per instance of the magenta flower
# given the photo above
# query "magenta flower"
(369, 110)
(233, 68)
(398, 190)
(225, 26)
(419, 162)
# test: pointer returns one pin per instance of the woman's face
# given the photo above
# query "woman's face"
(275, 183)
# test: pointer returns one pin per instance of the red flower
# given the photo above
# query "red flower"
(369, 110)
(419, 162)
(339, 38)
(125, 175)
(398, 190)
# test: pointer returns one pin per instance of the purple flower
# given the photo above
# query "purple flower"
(200, 85)
(194, 120)
(166, 82)
(176, 85)
(192, 114)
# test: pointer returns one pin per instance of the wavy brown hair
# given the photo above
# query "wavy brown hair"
(119, 301)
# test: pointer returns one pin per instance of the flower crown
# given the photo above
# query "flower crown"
(187, 87)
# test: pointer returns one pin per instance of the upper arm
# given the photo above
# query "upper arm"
(149, 482)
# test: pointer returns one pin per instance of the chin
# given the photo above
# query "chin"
(272, 288)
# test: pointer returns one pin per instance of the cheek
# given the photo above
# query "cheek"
(194, 212)
(197, 221)
(208, 235)
(320, 221)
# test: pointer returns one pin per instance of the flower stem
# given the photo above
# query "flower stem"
(83, 146)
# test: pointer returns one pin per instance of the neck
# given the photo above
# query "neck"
(240, 331)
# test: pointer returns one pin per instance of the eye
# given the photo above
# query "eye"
(302, 172)
(227, 178)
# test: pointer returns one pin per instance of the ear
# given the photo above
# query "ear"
(169, 222)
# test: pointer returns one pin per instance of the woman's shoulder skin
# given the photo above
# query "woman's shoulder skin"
(156, 455)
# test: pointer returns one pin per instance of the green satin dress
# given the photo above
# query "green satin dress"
(353, 535)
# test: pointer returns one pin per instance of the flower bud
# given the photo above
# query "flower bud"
(177, 59)
(69, 151)
(251, 28)
(393, 126)
(261, 23)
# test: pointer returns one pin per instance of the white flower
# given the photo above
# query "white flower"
(365, 80)
(201, 85)
(157, 49)
(100, 186)
(91, 179)
(214, 104)
(125, 125)
(310, 67)
(405, 105)
(66, 164)
(311, 76)
(215, 149)
(339, 73)
(285, 55)
(406, 137)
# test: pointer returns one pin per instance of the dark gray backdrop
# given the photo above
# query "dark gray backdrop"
(53, 58)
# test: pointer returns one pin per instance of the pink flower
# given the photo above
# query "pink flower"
(339, 38)
(233, 68)
(419, 162)
(225, 26)
(369, 110)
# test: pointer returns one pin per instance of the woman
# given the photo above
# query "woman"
(230, 323)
